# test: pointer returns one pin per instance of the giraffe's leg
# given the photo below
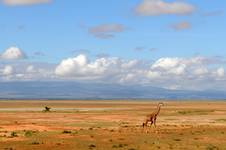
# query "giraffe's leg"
(146, 125)
(155, 122)
(151, 122)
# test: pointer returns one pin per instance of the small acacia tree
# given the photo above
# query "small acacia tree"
(47, 109)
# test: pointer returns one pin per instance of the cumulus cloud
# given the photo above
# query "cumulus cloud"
(184, 25)
(168, 72)
(220, 72)
(72, 66)
(166, 63)
(159, 7)
(164, 72)
(13, 53)
(106, 31)
(188, 70)
(24, 2)
(200, 71)
(24, 71)
(193, 73)
(170, 65)
(81, 67)
(7, 70)
(30, 69)
(153, 74)
(179, 66)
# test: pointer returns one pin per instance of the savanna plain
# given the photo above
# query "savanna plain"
(111, 125)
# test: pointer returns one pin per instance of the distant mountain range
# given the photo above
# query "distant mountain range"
(76, 90)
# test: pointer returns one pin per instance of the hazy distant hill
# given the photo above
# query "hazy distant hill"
(75, 90)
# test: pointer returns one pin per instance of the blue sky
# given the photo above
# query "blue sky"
(59, 27)
(53, 31)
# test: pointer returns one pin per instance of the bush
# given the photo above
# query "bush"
(66, 132)
(47, 109)
(212, 147)
(14, 134)
(28, 133)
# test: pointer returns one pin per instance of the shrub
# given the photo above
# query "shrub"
(47, 109)
(14, 134)
(212, 147)
(66, 132)
(28, 133)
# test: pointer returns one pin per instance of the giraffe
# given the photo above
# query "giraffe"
(153, 116)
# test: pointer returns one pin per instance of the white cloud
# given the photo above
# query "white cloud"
(70, 66)
(220, 72)
(81, 67)
(30, 69)
(153, 74)
(21, 70)
(106, 31)
(20, 76)
(162, 72)
(7, 70)
(24, 2)
(186, 72)
(166, 63)
(169, 72)
(170, 65)
(159, 7)
(13, 53)
(200, 71)
(130, 64)
(127, 78)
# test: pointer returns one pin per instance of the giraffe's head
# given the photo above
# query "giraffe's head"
(161, 104)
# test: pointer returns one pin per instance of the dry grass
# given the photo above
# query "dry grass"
(101, 125)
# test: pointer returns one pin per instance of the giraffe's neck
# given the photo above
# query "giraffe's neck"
(158, 109)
